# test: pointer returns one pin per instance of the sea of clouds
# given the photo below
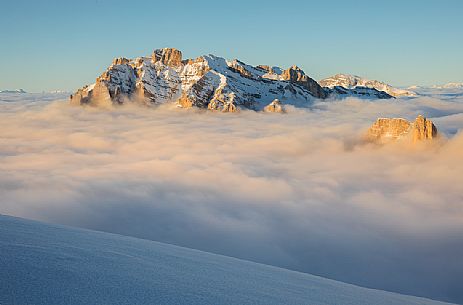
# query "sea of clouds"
(299, 190)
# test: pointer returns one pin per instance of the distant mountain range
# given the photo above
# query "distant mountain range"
(439, 87)
(13, 91)
(449, 86)
(212, 82)
(347, 81)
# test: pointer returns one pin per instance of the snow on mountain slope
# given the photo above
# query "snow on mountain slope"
(50, 264)
(348, 81)
(358, 92)
(206, 82)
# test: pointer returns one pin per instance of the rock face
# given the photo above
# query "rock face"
(389, 129)
(386, 130)
(296, 75)
(423, 129)
(207, 82)
(169, 56)
(343, 83)
(274, 106)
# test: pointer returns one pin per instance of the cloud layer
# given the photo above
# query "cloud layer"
(297, 190)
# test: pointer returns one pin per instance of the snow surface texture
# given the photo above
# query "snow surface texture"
(296, 190)
(48, 264)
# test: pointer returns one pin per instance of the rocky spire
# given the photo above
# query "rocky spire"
(206, 81)
(423, 129)
(274, 106)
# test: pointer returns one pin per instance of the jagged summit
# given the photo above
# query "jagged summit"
(391, 129)
(205, 82)
(214, 83)
(339, 82)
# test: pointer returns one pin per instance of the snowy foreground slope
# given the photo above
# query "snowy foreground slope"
(49, 264)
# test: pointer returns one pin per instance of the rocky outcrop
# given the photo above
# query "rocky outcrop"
(230, 107)
(349, 82)
(240, 68)
(216, 105)
(100, 94)
(423, 129)
(274, 106)
(80, 97)
(391, 129)
(265, 68)
(120, 61)
(297, 76)
(168, 56)
(205, 82)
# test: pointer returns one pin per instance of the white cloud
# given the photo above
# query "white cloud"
(298, 190)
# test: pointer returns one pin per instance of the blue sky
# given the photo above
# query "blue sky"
(51, 45)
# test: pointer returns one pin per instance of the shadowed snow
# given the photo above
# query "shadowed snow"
(45, 264)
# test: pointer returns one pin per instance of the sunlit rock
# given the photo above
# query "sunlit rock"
(205, 82)
(168, 56)
(391, 129)
(274, 106)
(423, 129)
(296, 75)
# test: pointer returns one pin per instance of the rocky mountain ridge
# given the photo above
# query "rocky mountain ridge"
(344, 82)
(208, 82)
(205, 82)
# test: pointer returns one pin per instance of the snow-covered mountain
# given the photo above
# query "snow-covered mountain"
(50, 264)
(214, 83)
(449, 86)
(446, 91)
(347, 81)
(206, 82)
(13, 91)
(359, 92)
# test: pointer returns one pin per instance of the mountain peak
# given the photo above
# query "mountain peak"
(168, 56)
(212, 82)
(208, 82)
(349, 81)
